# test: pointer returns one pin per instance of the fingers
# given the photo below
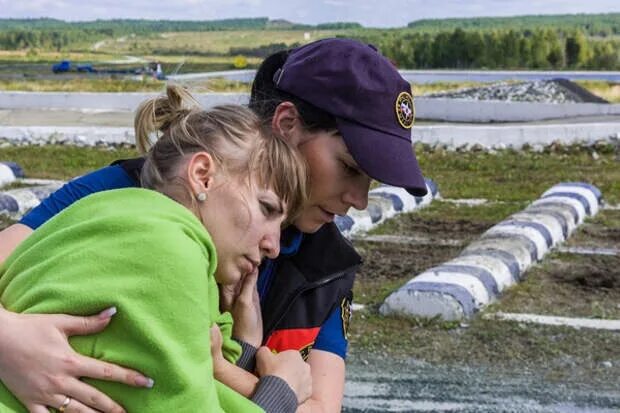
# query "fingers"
(75, 406)
(87, 397)
(97, 369)
(79, 326)
(227, 297)
(248, 288)
(264, 356)
(216, 337)
(38, 408)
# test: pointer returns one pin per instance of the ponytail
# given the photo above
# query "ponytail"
(155, 116)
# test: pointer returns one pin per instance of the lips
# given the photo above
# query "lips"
(250, 265)
(328, 216)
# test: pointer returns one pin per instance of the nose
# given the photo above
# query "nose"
(356, 194)
(270, 243)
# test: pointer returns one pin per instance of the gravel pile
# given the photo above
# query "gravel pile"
(542, 91)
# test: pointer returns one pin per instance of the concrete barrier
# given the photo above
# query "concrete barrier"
(16, 202)
(440, 75)
(384, 202)
(481, 111)
(515, 136)
(9, 172)
(454, 136)
(462, 286)
(444, 109)
(102, 101)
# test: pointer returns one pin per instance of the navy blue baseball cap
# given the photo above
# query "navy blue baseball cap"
(370, 100)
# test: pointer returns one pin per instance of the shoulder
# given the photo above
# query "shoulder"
(136, 218)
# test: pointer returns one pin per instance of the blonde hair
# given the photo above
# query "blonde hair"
(170, 127)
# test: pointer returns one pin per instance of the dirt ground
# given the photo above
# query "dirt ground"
(571, 285)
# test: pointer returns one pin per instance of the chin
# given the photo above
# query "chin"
(231, 278)
(308, 226)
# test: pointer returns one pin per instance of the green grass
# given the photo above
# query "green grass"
(214, 42)
(61, 162)
(86, 84)
(519, 176)
(49, 57)
(558, 353)
(488, 213)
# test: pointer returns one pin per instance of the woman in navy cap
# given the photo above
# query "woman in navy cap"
(350, 114)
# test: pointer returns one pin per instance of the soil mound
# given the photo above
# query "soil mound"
(543, 91)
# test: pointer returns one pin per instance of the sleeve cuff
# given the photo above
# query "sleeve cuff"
(247, 361)
(274, 395)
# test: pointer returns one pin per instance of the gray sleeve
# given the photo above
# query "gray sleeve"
(247, 361)
(275, 396)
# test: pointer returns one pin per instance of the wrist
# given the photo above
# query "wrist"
(6, 318)
(247, 361)
(252, 340)
(220, 364)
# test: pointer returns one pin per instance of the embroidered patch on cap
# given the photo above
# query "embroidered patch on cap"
(405, 111)
(345, 311)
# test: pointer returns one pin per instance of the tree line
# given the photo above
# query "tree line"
(601, 25)
(496, 49)
(571, 46)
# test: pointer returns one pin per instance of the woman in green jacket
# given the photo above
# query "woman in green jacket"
(218, 192)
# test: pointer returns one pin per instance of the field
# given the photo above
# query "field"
(178, 52)
(208, 43)
(563, 284)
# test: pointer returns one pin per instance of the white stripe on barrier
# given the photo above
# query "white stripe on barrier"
(581, 211)
(472, 284)
(428, 198)
(531, 233)
(6, 174)
(568, 217)
(25, 198)
(498, 269)
(409, 202)
(511, 246)
(386, 205)
(586, 193)
(548, 221)
(361, 220)
(427, 304)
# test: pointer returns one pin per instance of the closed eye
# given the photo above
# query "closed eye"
(349, 169)
(270, 210)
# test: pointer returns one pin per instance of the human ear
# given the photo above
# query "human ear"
(201, 170)
(286, 122)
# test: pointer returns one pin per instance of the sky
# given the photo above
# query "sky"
(370, 13)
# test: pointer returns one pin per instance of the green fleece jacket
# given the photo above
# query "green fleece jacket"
(151, 258)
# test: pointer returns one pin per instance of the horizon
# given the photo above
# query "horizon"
(301, 23)
(298, 11)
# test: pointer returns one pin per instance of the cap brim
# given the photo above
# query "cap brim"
(385, 157)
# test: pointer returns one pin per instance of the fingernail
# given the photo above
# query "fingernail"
(107, 313)
(145, 382)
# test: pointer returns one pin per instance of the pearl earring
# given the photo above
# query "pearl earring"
(201, 196)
